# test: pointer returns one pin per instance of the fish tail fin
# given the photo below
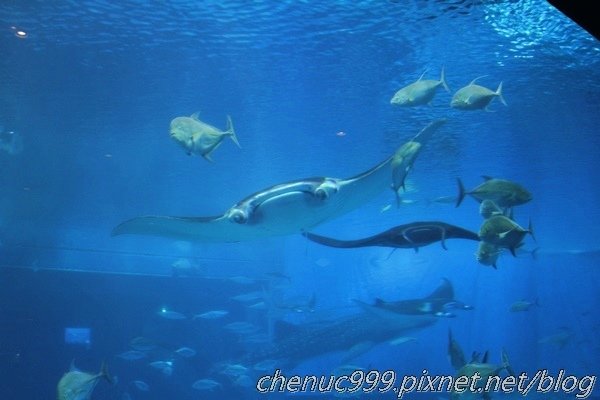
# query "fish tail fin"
(530, 230)
(443, 81)
(537, 302)
(506, 363)
(231, 132)
(461, 192)
(397, 194)
(105, 374)
(499, 94)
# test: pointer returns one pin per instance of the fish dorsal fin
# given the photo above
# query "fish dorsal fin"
(105, 374)
(422, 75)
(444, 291)
(487, 177)
(479, 77)
(485, 358)
(378, 302)
(195, 116)
(73, 368)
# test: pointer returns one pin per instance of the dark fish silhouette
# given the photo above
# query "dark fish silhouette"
(409, 236)
(455, 352)
(438, 303)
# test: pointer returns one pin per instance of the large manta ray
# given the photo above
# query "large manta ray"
(408, 236)
(288, 208)
(358, 333)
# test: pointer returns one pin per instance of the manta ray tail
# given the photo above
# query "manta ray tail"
(331, 242)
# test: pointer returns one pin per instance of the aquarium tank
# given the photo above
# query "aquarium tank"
(298, 199)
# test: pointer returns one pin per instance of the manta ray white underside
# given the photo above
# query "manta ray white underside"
(286, 208)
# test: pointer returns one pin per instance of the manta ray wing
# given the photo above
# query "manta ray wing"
(283, 214)
(276, 211)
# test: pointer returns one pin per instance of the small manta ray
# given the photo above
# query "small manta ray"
(408, 236)
(437, 303)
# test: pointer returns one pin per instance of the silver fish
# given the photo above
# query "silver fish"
(198, 137)
(164, 313)
(475, 97)
(419, 92)
(186, 352)
(205, 384)
(214, 314)
(78, 385)
(132, 355)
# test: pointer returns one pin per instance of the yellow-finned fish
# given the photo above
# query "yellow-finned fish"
(503, 192)
(475, 97)
(79, 385)
(487, 254)
(504, 232)
(198, 137)
(419, 92)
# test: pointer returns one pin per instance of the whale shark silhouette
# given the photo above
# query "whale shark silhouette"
(358, 333)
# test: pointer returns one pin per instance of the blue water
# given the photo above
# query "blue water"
(90, 88)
